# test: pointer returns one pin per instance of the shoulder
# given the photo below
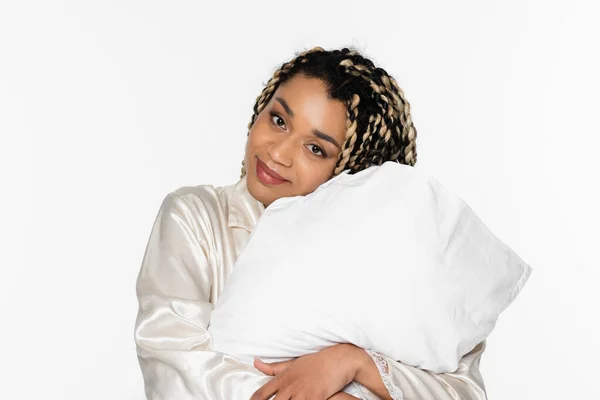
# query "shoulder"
(216, 208)
(197, 196)
(205, 206)
(200, 198)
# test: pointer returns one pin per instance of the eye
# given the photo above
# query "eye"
(277, 120)
(314, 147)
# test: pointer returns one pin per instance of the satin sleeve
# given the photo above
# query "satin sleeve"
(173, 290)
(404, 382)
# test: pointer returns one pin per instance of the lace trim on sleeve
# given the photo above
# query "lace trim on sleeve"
(384, 371)
(363, 393)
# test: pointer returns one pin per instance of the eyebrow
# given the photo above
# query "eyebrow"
(315, 132)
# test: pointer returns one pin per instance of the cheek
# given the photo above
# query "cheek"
(314, 174)
(257, 134)
(251, 141)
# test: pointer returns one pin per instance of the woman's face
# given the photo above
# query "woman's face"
(298, 135)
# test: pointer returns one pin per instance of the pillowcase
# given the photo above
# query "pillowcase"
(386, 259)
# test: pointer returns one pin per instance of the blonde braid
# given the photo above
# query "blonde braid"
(352, 115)
(376, 122)
(409, 132)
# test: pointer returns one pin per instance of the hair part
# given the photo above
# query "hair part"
(379, 125)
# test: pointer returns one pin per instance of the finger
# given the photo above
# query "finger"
(267, 369)
(267, 390)
(271, 368)
(281, 366)
(263, 367)
(283, 395)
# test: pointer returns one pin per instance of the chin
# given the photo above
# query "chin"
(257, 190)
(261, 195)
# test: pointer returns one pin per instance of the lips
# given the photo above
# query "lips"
(267, 175)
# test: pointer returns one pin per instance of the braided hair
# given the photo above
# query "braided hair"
(379, 125)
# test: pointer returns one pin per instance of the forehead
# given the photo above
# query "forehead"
(304, 85)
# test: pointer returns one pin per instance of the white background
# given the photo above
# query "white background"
(105, 107)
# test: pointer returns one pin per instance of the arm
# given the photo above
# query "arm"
(389, 379)
(173, 290)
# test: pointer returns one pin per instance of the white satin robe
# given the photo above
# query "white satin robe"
(197, 236)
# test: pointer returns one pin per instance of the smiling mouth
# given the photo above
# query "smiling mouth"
(267, 176)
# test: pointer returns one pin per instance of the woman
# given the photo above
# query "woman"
(320, 114)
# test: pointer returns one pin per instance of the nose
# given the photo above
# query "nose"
(281, 150)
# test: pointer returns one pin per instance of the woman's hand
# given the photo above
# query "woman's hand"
(315, 376)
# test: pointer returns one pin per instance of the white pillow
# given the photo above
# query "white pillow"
(386, 259)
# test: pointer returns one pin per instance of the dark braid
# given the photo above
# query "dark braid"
(379, 125)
